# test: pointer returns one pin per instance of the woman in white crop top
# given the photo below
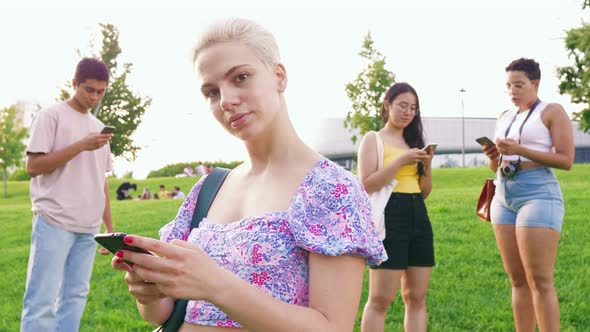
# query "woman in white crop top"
(527, 210)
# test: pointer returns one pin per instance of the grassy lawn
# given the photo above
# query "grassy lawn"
(468, 291)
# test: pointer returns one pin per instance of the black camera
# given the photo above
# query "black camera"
(512, 168)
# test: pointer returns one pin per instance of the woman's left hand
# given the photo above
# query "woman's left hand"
(180, 270)
(507, 146)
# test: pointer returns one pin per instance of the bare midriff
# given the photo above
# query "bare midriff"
(524, 164)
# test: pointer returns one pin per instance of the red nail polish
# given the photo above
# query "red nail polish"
(128, 239)
(119, 253)
(119, 260)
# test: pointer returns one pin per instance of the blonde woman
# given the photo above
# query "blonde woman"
(284, 245)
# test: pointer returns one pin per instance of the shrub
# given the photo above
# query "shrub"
(178, 168)
(19, 174)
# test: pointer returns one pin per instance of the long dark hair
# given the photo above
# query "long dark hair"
(413, 133)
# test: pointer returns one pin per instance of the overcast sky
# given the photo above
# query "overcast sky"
(438, 47)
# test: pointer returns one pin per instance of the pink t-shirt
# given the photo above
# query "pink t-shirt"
(72, 196)
(329, 214)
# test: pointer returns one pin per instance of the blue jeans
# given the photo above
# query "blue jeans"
(532, 198)
(58, 278)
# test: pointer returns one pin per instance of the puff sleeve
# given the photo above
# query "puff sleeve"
(331, 215)
(179, 227)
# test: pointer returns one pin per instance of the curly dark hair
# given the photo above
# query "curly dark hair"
(529, 66)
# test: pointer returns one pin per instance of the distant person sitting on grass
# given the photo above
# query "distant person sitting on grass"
(286, 240)
(201, 169)
(146, 194)
(123, 190)
(163, 193)
(188, 171)
(177, 193)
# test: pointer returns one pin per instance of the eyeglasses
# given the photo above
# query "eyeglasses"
(516, 87)
(407, 108)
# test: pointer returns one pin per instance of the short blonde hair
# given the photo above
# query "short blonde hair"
(260, 40)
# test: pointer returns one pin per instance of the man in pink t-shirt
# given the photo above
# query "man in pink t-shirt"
(67, 158)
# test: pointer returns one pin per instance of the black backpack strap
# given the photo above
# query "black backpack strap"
(207, 194)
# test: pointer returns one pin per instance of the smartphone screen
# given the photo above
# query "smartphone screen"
(108, 130)
(114, 242)
(430, 148)
(484, 141)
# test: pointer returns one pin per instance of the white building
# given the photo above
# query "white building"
(453, 136)
(25, 110)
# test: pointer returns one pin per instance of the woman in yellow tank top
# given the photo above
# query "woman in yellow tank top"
(408, 238)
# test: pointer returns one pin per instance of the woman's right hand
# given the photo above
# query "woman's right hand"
(145, 292)
(413, 156)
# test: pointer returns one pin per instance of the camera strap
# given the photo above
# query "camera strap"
(535, 104)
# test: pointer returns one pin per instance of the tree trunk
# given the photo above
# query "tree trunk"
(5, 188)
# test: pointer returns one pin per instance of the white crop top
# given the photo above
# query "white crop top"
(535, 135)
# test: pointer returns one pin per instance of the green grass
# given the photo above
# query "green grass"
(469, 290)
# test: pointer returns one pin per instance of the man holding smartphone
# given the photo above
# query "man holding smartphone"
(67, 158)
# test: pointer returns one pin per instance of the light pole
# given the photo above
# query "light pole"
(462, 91)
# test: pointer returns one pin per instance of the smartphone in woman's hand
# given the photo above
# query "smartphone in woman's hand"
(430, 148)
(484, 140)
(114, 242)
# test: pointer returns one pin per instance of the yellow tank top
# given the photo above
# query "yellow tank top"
(407, 176)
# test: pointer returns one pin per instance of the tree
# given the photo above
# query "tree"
(120, 107)
(12, 148)
(367, 90)
(575, 79)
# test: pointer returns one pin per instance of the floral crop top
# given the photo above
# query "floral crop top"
(329, 214)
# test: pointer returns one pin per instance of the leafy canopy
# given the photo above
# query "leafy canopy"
(120, 107)
(12, 148)
(367, 90)
(575, 79)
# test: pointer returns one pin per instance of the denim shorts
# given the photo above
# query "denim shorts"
(408, 233)
(532, 198)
